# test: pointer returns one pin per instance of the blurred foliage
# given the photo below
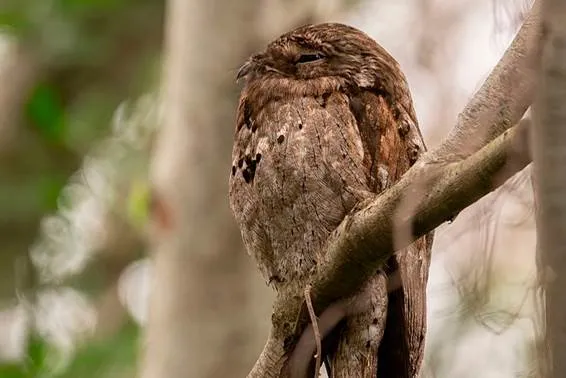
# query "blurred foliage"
(138, 203)
(115, 356)
(65, 28)
(112, 357)
(46, 113)
(90, 55)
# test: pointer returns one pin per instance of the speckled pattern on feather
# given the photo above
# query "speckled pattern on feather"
(325, 120)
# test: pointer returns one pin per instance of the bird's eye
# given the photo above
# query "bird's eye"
(310, 57)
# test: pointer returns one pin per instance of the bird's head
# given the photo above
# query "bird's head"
(315, 60)
(329, 50)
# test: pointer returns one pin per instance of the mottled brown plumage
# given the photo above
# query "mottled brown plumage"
(325, 120)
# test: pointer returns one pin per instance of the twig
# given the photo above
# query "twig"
(316, 332)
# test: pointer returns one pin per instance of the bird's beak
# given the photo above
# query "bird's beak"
(249, 66)
(245, 69)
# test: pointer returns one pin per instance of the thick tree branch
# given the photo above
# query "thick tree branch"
(464, 168)
(502, 99)
(365, 240)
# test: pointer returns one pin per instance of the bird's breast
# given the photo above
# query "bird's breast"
(308, 176)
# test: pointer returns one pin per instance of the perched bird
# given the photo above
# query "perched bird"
(325, 120)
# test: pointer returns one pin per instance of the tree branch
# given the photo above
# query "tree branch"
(365, 239)
(459, 172)
(502, 99)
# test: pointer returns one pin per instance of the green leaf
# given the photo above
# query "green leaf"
(36, 355)
(138, 203)
(45, 111)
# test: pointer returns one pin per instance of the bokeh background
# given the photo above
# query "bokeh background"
(80, 106)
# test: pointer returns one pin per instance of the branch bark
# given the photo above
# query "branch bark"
(466, 166)
(451, 189)
(502, 99)
(365, 240)
(549, 141)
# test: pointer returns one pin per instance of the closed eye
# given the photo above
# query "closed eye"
(310, 57)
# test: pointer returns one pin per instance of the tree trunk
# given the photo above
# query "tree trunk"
(198, 316)
(549, 154)
(204, 289)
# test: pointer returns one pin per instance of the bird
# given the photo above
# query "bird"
(324, 122)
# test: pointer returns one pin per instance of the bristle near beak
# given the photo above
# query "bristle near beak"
(245, 69)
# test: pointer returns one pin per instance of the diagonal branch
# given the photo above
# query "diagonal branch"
(473, 160)
(502, 99)
(365, 239)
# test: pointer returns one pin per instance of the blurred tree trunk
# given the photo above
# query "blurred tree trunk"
(19, 71)
(203, 322)
(549, 146)
(198, 324)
